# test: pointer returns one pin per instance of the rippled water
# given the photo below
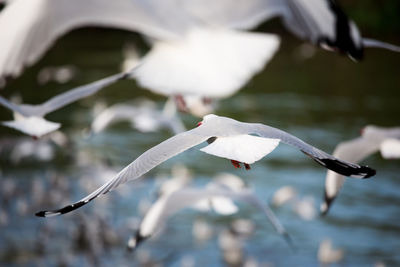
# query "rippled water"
(323, 100)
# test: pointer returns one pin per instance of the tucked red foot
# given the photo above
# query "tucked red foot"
(236, 164)
(247, 166)
(181, 104)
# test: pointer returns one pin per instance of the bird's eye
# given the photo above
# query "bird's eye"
(199, 123)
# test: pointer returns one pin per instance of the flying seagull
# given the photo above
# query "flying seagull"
(29, 27)
(372, 139)
(187, 55)
(30, 120)
(320, 22)
(169, 204)
(227, 138)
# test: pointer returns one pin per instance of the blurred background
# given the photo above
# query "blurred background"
(321, 97)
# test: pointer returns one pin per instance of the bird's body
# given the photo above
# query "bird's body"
(371, 141)
(212, 128)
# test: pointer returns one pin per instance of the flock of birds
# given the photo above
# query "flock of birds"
(200, 51)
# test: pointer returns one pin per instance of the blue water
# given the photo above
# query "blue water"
(323, 100)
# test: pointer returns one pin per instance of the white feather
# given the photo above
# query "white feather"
(208, 62)
(243, 148)
(390, 148)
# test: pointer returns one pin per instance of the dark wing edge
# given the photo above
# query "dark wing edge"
(326, 204)
(144, 163)
(342, 167)
(328, 161)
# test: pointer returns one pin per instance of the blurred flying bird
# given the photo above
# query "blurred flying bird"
(169, 204)
(188, 37)
(303, 206)
(143, 116)
(188, 55)
(372, 139)
(30, 120)
(227, 138)
(320, 22)
(327, 254)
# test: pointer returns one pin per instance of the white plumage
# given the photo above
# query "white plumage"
(372, 139)
(213, 128)
(243, 148)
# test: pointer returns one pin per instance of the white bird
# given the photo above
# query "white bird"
(303, 206)
(327, 254)
(372, 139)
(169, 204)
(143, 116)
(197, 30)
(284, 195)
(222, 205)
(30, 120)
(188, 55)
(321, 22)
(227, 138)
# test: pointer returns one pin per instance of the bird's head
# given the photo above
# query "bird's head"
(206, 118)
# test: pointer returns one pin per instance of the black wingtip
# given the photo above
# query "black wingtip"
(326, 205)
(61, 211)
(135, 241)
(41, 214)
(346, 169)
(369, 171)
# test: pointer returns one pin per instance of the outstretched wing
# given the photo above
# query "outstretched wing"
(64, 99)
(75, 94)
(144, 163)
(29, 27)
(367, 42)
(340, 166)
(354, 150)
(11, 106)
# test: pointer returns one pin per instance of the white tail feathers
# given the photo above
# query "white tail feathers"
(33, 126)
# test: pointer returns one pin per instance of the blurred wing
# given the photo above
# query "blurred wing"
(355, 151)
(310, 20)
(238, 14)
(113, 114)
(11, 106)
(144, 163)
(321, 157)
(73, 95)
(29, 27)
(323, 23)
(379, 44)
